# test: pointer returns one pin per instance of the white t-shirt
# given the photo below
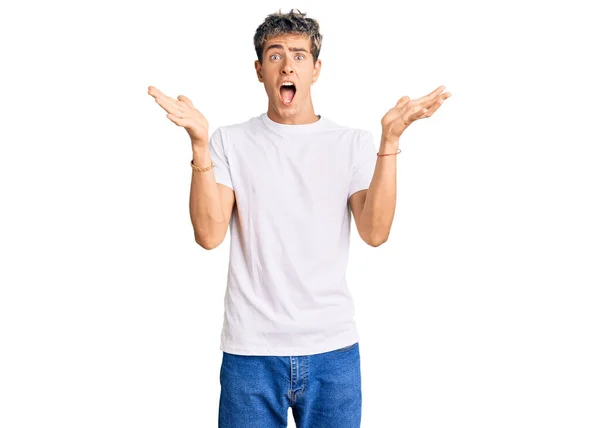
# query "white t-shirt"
(290, 233)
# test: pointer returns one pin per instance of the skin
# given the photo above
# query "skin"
(373, 209)
(407, 111)
(280, 64)
(182, 112)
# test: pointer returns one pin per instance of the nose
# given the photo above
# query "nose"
(287, 68)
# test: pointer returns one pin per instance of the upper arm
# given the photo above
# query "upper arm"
(357, 203)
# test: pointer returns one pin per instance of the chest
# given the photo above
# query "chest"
(310, 178)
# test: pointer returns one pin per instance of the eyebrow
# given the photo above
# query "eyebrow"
(281, 47)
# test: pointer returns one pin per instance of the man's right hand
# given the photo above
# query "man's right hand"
(182, 112)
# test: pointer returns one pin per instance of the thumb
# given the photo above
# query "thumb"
(402, 101)
(185, 100)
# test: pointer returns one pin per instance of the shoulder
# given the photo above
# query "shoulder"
(354, 136)
(226, 133)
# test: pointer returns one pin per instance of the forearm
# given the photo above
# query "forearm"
(380, 203)
(205, 205)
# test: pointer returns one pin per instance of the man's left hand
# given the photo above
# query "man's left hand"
(406, 111)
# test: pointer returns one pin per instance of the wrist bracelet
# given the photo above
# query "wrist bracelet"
(388, 154)
(197, 168)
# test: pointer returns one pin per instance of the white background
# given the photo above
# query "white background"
(481, 310)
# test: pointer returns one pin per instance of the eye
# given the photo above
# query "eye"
(299, 55)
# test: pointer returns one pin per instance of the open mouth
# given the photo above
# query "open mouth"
(287, 92)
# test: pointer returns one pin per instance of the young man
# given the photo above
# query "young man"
(286, 182)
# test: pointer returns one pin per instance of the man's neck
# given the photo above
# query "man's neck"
(297, 119)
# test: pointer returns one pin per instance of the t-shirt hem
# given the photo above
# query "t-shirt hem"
(358, 189)
(332, 345)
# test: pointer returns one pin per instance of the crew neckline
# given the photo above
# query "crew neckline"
(292, 129)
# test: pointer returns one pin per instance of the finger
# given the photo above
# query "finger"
(445, 95)
(430, 102)
(185, 100)
(155, 92)
(178, 120)
(416, 115)
(432, 109)
(432, 95)
(170, 105)
(166, 105)
(438, 103)
(162, 99)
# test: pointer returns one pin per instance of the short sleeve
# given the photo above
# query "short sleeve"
(218, 156)
(363, 165)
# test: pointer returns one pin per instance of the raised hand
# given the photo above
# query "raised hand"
(182, 112)
(406, 111)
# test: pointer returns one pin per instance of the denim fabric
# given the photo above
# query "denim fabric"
(323, 390)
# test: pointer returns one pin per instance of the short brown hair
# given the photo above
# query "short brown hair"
(288, 23)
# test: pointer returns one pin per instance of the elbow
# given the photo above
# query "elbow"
(374, 233)
(376, 241)
(207, 247)
(207, 244)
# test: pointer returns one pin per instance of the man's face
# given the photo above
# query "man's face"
(288, 58)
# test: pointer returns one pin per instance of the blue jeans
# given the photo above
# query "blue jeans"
(323, 390)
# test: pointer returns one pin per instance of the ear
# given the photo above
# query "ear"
(317, 70)
(258, 68)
